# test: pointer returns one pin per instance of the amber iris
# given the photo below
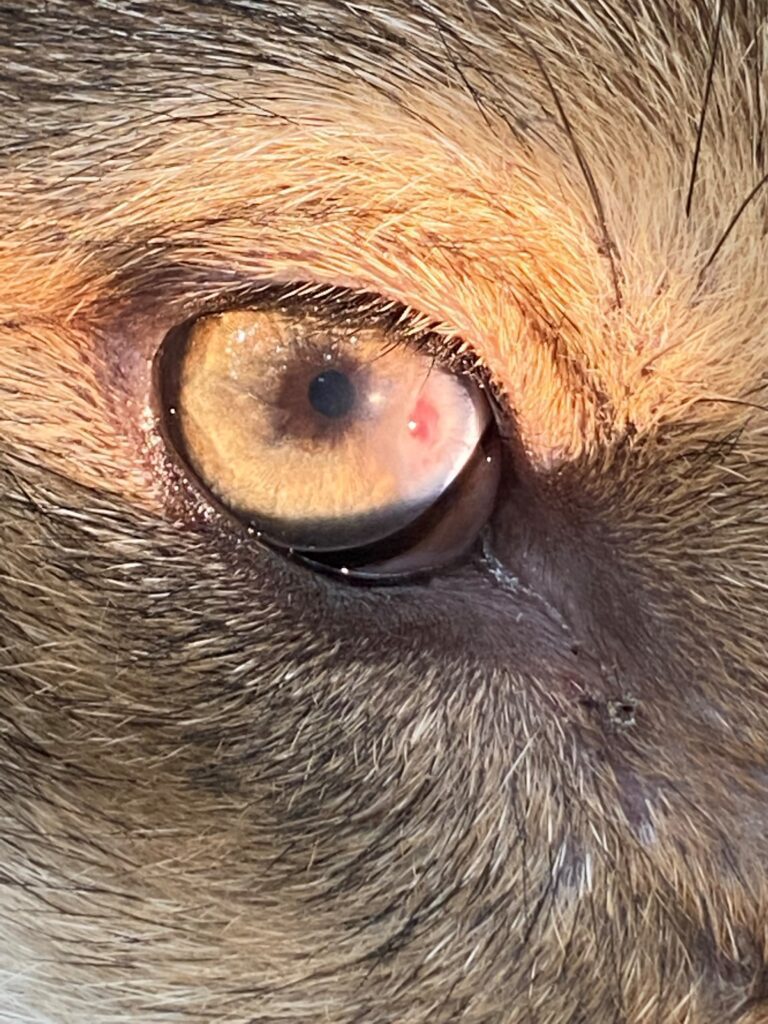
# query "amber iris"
(324, 437)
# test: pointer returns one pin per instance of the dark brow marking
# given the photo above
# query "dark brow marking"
(704, 108)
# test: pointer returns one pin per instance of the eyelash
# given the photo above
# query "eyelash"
(412, 327)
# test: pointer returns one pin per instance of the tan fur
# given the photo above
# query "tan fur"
(233, 792)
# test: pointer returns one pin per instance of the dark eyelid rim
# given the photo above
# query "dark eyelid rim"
(407, 324)
(154, 287)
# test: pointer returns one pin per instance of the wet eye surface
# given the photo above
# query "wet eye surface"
(335, 432)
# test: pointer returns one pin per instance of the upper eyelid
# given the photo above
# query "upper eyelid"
(424, 251)
(179, 290)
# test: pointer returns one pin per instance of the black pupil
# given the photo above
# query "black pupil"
(332, 394)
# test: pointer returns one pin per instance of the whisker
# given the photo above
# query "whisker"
(720, 400)
(457, 67)
(608, 244)
(704, 108)
(733, 222)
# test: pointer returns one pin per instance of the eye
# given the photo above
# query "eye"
(332, 429)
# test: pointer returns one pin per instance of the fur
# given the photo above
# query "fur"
(533, 791)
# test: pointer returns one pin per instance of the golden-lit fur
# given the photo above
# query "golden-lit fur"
(232, 791)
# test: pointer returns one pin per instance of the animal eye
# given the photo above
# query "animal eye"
(334, 433)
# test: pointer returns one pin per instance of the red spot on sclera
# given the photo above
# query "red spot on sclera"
(423, 421)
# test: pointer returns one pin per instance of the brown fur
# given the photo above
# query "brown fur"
(534, 791)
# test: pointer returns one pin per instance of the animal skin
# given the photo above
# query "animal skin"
(531, 788)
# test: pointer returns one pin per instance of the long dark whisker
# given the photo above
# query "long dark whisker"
(734, 221)
(719, 400)
(457, 67)
(609, 245)
(704, 108)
